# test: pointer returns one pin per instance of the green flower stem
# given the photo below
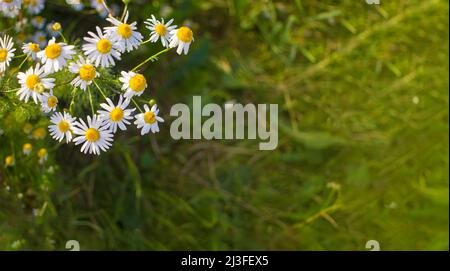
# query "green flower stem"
(62, 36)
(12, 90)
(21, 64)
(124, 12)
(106, 7)
(20, 56)
(72, 102)
(145, 42)
(152, 58)
(65, 83)
(90, 101)
(14, 72)
(101, 91)
(137, 105)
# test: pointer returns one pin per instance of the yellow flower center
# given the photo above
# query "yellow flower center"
(116, 114)
(9, 161)
(27, 127)
(39, 133)
(3, 55)
(92, 135)
(63, 126)
(52, 101)
(104, 46)
(33, 3)
(138, 83)
(53, 51)
(27, 147)
(34, 47)
(42, 153)
(38, 19)
(7, 1)
(161, 29)
(32, 81)
(124, 30)
(185, 34)
(87, 72)
(149, 117)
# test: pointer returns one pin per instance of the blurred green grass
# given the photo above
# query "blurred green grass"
(363, 151)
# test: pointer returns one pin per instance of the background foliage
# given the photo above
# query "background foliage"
(363, 152)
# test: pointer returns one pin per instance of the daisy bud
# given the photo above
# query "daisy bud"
(27, 148)
(39, 133)
(9, 161)
(56, 27)
(43, 155)
(39, 88)
(27, 128)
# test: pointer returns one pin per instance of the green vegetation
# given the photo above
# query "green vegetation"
(363, 151)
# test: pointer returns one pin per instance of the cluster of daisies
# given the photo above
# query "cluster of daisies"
(18, 9)
(33, 134)
(12, 8)
(98, 5)
(101, 49)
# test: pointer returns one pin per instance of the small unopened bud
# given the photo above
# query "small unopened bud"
(56, 27)
(152, 102)
(39, 88)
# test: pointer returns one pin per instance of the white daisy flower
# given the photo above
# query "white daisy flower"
(31, 49)
(33, 83)
(159, 29)
(86, 73)
(40, 38)
(76, 5)
(101, 49)
(134, 84)
(38, 22)
(61, 127)
(94, 135)
(10, 12)
(95, 4)
(6, 52)
(125, 34)
(9, 4)
(34, 6)
(148, 120)
(54, 57)
(181, 38)
(21, 24)
(49, 102)
(116, 115)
